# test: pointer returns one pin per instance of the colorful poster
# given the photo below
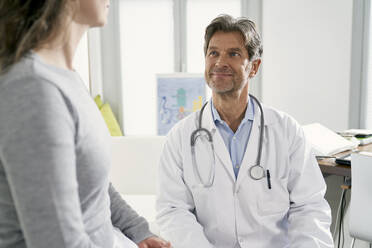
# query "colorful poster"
(178, 96)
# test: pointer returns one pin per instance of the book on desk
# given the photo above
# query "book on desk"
(326, 142)
(337, 147)
(363, 136)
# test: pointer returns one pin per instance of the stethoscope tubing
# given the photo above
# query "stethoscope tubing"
(253, 168)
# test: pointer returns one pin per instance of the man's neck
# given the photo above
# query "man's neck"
(231, 107)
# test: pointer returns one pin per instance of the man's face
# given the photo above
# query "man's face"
(227, 66)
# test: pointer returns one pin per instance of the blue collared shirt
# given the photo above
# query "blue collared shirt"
(236, 143)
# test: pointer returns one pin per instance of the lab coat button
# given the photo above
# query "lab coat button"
(236, 190)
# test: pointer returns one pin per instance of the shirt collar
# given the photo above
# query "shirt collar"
(249, 112)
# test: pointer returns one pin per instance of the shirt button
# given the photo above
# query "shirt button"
(237, 166)
(234, 138)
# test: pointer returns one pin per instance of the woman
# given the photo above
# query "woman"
(54, 158)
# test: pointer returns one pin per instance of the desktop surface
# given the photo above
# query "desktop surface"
(329, 166)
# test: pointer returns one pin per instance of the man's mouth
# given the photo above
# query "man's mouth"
(221, 74)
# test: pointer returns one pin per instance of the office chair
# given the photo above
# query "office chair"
(360, 221)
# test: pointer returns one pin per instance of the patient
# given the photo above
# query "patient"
(54, 157)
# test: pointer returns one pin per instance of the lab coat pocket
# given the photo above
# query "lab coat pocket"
(205, 205)
(274, 201)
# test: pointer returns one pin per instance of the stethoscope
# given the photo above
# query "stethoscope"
(256, 172)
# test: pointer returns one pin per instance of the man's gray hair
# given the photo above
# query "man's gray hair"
(247, 28)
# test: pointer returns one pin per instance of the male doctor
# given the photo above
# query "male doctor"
(214, 189)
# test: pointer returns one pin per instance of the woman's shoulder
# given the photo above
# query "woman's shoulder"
(25, 90)
(23, 75)
(31, 72)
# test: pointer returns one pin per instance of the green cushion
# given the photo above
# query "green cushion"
(108, 116)
(98, 101)
(110, 120)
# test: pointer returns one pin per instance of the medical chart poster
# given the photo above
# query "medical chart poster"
(178, 95)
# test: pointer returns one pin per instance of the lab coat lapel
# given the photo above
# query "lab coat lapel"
(221, 151)
(250, 155)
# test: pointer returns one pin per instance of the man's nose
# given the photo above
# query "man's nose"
(221, 61)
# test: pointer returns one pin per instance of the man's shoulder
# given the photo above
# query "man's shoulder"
(284, 125)
(185, 124)
(181, 131)
(275, 117)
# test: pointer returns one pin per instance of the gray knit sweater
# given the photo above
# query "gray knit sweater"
(54, 164)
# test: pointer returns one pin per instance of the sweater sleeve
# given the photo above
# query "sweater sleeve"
(37, 150)
(126, 219)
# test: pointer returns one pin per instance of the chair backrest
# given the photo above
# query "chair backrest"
(135, 162)
(360, 219)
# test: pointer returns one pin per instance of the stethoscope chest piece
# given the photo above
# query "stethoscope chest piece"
(257, 172)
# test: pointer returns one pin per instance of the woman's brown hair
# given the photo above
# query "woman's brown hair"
(27, 25)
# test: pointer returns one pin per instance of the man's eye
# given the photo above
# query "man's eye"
(234, 54)
(213, 53)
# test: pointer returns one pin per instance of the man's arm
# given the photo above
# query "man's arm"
(175, 204)
(309, 213)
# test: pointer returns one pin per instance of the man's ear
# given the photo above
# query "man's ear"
(255, 66)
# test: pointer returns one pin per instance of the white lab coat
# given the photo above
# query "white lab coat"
(243, 212)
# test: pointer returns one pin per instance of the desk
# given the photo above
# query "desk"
(328, 166)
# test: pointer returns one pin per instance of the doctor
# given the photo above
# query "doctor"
(219, 185)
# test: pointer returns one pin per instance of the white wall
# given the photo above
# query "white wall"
(81, 60)
(306, 68)
(306, 61)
